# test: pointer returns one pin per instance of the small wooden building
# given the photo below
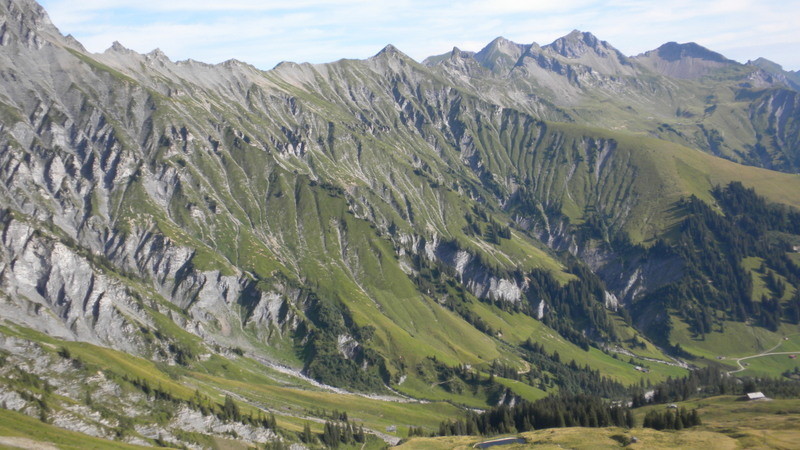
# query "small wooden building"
(755, 396)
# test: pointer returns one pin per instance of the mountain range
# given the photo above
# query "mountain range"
(187, 249)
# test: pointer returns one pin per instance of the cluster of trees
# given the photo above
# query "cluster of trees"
(793, 374)
(417, 431)
(551, 412)
(570, 378)
(459, 379)
(711, 381)
(671, 419)
(458, 302)
(712, 246)
(547, 371)
(492, 232)
(325, 363)
(576, 309)
(338, 433)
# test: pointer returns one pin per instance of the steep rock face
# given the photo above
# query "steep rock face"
(789, 78)
(570, 65)
(135, 187)
(476, 277)
(59, 289)
(51, 288)
(69, 156)
(776, 116)
(26, 24)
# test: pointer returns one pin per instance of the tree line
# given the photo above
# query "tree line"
(550, 412)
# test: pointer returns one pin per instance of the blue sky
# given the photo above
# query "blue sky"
(266, 32)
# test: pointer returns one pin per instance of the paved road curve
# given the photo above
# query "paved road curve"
(766, 353)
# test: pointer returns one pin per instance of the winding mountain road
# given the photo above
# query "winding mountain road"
(766, 353)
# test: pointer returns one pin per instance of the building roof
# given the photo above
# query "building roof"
(754, 395)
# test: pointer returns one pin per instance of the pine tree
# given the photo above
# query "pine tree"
(307, 437)
(230, 410)
(629, 421)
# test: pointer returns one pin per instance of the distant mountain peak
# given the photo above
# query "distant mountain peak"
(765, 63)
(787, 77)
(672, 51)
(389, 50)
(499, 54)
(117, 47)
(689, 60)
(577, 43)
(156, 53)
(500, 41)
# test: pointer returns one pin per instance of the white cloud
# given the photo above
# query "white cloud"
(266, 32)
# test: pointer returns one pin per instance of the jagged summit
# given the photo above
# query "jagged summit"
(501, 53)
(117, 47)
(27, 11)
(576, 44)
(390, 50)
(390, 58)
(27, 23)
(577, 52)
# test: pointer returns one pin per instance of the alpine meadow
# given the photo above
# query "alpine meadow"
(558, 244)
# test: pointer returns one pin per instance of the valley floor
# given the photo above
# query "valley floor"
(728, 423)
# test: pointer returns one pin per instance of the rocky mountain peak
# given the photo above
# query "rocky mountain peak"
(578, 43)
(157, 53)
(500, 53)
(27, 11)
(117, 47)
(503, 45)
(390, 51)
(26, 22)
(391, 57)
